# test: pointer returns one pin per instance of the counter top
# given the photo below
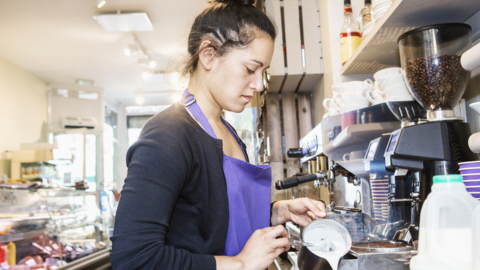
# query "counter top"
(280, 264)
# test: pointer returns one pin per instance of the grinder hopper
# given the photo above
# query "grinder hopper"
(431, 66)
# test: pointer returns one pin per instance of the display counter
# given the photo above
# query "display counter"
(51, 229)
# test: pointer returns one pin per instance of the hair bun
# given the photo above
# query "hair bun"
(241, 2)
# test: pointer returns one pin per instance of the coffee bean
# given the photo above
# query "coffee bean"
(437, 82)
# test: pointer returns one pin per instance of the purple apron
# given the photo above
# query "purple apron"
(248, 188)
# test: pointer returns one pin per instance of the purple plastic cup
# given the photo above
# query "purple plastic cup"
(469, 177)
(470, 164)
(471, 183)
(470, 171)
(474, 189)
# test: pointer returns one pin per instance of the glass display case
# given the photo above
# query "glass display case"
(52, 229)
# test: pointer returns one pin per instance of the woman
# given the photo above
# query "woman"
(191, 200)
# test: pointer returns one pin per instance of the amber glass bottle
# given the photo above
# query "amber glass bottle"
(350, 37)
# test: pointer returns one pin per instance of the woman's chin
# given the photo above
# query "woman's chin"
(237, 108)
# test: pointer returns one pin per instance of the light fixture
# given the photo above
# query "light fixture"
(146, 75)
(125, 22)
(140, 100)
(131, 50)
(85, 82)
(100, 3)
(152, 64)
(145, 62)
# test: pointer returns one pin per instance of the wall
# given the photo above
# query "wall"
(23, 109)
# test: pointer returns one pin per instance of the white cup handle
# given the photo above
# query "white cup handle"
(367, 81)
(346, 157)
(339, 98)
(325, 103)
(376, 86)
(373, 97)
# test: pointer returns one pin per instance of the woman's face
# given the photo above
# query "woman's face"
(236, 76)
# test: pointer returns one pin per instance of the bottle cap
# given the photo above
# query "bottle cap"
(450, 178)
(345, 2)
(368, 2)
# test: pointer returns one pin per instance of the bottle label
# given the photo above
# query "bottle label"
(349, 42)
(347, 10)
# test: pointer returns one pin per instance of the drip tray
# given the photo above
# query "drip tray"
(380, 247)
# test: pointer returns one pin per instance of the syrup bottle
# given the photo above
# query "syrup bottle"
(350, 37)
(366, 12)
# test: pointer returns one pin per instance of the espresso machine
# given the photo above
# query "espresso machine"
(382, 164)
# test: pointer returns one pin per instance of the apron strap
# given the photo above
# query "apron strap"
(190, 104)
(237, 138)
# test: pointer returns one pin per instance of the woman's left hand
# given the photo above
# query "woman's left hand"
(300, 211)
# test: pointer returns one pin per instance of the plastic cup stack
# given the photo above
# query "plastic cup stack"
(470, 172)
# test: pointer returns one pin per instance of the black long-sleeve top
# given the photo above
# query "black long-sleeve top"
(173, 212)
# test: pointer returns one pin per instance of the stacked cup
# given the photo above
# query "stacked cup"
(379, 8)
(389, 86)
(348, 96)
(470, 172)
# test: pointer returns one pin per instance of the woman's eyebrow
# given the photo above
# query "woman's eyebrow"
(258, 62)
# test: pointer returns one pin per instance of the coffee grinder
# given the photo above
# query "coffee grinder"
(431, 67)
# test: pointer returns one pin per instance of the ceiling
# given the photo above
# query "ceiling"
(59, 41)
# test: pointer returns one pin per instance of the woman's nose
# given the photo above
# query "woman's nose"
(257, 83)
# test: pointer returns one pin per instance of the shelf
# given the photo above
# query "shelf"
(379, 49)
(5, 238)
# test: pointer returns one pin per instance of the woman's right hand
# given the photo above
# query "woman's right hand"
(263, 247)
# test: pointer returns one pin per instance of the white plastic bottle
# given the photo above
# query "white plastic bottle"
(476, 239)
(446, 227)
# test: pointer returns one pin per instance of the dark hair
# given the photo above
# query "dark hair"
(226, 24)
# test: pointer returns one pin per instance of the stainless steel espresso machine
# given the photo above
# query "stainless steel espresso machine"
(379, 168)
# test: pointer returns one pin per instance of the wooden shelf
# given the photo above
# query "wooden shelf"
(379, 49)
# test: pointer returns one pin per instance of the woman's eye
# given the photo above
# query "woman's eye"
(250, 71)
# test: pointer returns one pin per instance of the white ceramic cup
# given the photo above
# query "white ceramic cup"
(346, 100)
(354, 155)
(387, 72)
(374, 96)
(396, 90)
(389, 81)
(330, 105)
(357, 88)
(338, 88)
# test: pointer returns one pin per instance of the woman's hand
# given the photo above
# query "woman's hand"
(259, 251)
(300, 211)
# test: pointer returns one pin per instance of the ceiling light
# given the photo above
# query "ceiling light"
(145, 62)
(100, 3)
(125, 22)
(152, 64)
(146, 75)
(84, 82)
(131, 50)
(140, 100)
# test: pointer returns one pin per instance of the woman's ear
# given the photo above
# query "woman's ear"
(207, 53)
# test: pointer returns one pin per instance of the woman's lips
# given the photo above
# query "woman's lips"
(248, 98)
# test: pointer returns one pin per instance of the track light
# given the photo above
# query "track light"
(146, 75)
(140, 100)
(131, 50)
(145, 62)
(100, 3)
